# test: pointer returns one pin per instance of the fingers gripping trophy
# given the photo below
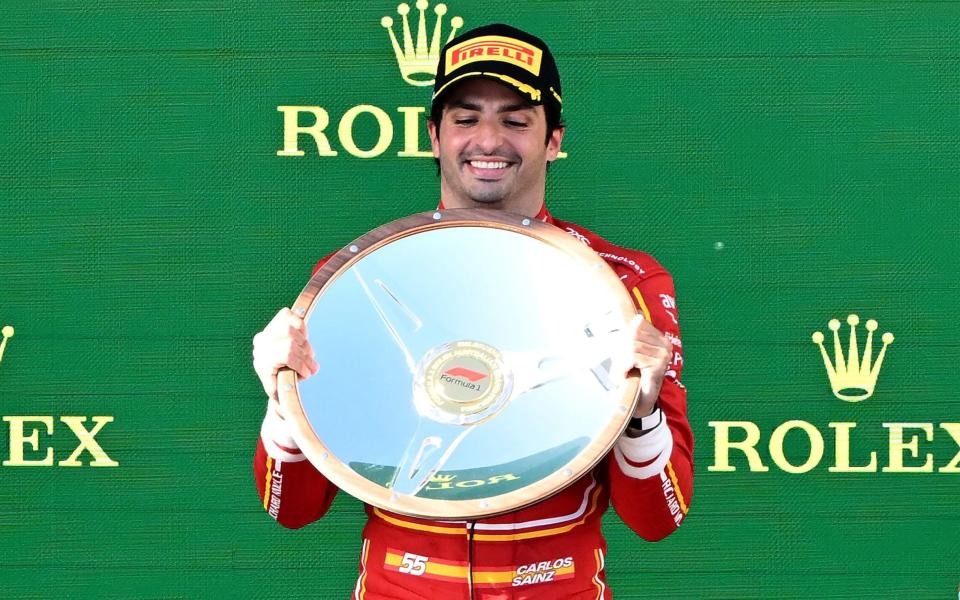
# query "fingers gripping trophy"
(485, 377)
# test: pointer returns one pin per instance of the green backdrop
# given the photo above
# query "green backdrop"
(789, 162)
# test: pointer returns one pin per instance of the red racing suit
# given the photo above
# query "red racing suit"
(551, 550)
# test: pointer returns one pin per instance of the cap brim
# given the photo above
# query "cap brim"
(527, 92)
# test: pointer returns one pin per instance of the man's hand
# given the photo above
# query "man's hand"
(652, 352)
(283, 343)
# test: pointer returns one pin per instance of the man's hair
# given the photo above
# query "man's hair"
(554, 122)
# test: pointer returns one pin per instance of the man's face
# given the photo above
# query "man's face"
(493, 149)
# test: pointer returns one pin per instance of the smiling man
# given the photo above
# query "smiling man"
(495, 125)
(492, 152)
(490, 144)
(495, 120)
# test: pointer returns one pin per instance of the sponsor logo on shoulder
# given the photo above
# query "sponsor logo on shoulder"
(578, 235)
(623, 260)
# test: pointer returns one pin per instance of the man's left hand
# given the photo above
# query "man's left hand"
(652, 352)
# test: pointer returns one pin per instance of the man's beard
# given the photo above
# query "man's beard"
(488, 197)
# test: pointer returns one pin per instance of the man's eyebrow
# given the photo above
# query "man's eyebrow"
(515, 107)
(464, 105)
(467, 105)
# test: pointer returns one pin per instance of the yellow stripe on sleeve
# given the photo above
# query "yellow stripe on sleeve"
(266, 490)
(676, 487)
(643, 305)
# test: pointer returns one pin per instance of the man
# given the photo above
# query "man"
(494, 127)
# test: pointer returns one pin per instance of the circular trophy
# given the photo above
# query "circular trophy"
(472, 362)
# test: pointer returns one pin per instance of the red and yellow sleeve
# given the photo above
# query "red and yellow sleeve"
(651, 476)
(291, 489)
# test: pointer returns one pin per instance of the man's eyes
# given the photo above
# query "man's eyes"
(512, 123)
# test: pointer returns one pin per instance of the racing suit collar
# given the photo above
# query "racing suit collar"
(543, 215)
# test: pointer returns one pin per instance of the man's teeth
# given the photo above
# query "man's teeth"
(482, 164)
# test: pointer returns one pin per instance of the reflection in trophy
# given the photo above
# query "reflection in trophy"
(472, 362)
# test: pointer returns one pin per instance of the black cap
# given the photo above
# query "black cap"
(505, 54)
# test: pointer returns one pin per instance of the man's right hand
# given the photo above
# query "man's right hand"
(282, 344)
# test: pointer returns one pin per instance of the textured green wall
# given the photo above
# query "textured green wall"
(789, 162)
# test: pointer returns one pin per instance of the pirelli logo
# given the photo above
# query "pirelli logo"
(494, 47)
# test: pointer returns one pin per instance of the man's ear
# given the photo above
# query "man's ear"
(553, 143)
(434, 140)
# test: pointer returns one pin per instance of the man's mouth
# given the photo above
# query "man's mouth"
(487, 168)
(483, 164)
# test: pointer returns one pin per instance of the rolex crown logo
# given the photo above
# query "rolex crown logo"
(853, 378)
(418, 62)
(7, 333)
(442, 478)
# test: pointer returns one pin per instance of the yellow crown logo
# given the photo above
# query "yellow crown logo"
(442, 478)
(7, 333)
(420, 59)
(853, 379)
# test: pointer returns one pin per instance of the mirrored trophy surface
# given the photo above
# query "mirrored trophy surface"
(471, 362)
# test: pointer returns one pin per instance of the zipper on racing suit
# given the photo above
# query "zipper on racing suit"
(471, 525)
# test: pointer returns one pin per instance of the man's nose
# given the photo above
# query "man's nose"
(489, 136)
